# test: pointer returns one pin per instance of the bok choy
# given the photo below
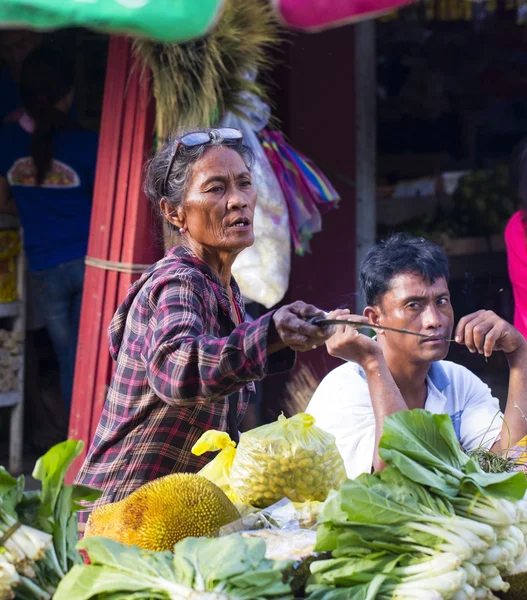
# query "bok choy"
(229, 568)
(431, 526)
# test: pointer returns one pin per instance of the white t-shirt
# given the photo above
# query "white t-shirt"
(342, 406)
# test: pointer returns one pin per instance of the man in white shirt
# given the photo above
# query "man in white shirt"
(405, 283)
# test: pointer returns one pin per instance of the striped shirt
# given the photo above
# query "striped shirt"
(179, 356)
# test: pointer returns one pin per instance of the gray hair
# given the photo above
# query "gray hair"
(179, 180)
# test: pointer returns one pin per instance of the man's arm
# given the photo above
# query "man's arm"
(485, 332)
(350, 345)
(515, 425)
(386, 399)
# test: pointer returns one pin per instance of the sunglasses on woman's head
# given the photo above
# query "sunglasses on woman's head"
(225, 135)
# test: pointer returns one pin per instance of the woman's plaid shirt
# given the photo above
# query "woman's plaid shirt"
(173, 374)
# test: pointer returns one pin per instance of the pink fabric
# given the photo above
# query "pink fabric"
(516, 242)
(315, 15)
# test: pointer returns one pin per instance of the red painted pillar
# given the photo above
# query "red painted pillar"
(121, 229)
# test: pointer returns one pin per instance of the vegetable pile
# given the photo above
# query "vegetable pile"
(38, 530)
(434, 525)
(431, 526)
(199, 569)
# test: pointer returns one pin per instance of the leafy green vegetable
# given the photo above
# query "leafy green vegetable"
(424, 447)
(11, 491)
(58, 503)
(361, 591)
(42, 525)
(229, 568)
(431, 525)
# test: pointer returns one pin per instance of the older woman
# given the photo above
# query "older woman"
(186, 359)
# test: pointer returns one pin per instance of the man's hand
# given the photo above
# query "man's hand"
(293, 330)
(485, 332)
(348, 344)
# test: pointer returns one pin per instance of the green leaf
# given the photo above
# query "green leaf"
(365, 591)
(28, 508)
(327, 536)
(397, 477)
(83, 493)
(246, 573)
(510, 486)
(331, 509)
(233, 565)
(11, 492)
(429, 439)
(376, 505)
(7, 482)
(419, 473)
(95, 581)
(209, 558)
(345, 572)
(59, 503)
(128, 559)
(51, 470)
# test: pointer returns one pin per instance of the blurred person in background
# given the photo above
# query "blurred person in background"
(47, 168)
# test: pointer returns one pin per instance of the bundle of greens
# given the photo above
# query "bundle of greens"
(491, 462)
(38, 530)
(431, 526)
(229, 568)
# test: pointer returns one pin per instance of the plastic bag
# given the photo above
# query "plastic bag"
(166, 21)
(219, 469)
(290, 458)
(262, 271)
(286, 544)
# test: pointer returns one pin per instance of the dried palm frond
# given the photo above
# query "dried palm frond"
(300, 390)
(196, 82)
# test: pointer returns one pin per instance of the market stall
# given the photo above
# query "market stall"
(276, 517)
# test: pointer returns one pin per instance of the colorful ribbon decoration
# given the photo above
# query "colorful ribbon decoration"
(306, 189)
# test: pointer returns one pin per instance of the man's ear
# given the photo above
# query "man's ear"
(174, 215)
(373, 314)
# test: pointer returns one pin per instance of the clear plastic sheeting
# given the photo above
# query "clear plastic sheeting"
(262, 271)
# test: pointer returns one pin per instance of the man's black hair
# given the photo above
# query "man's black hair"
(400, 254)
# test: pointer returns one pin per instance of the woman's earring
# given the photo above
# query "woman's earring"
(182, 230)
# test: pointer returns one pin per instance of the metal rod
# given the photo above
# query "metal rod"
(322, 322)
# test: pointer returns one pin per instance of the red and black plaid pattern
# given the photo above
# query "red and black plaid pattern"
(173, 374)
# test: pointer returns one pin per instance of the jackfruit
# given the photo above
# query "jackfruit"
(164, 511)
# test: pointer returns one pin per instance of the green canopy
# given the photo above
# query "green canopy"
(167, 21)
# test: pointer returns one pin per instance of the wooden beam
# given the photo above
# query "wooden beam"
(120, 218)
